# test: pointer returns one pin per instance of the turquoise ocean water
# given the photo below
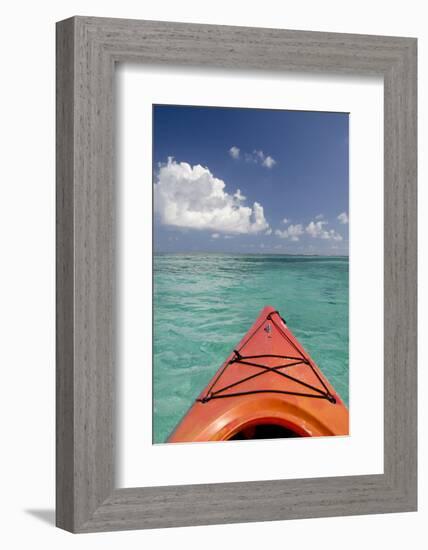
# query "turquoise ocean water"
(204, 304)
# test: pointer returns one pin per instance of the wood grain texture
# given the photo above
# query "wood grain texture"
(64, 276)
(87, 49)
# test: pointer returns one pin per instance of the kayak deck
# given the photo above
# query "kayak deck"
(267, 387)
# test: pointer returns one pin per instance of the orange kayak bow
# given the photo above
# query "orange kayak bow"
(268, 387)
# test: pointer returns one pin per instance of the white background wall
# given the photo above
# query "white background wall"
(27, 270)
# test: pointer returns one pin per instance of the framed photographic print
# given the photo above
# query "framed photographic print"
(220, 259)
(236, 274)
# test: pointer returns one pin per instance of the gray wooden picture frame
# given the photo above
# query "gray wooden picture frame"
(87, 50)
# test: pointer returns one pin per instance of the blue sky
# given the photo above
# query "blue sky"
(250, 180)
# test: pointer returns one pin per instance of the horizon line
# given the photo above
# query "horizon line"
(157, 253)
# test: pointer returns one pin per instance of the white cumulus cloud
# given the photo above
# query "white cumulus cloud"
(343, 218)
(269, 162)
(256, 157)
(264, 160)
(192, 197)
(239, 196)
(292, 232)
(317, 230)
(234, 152)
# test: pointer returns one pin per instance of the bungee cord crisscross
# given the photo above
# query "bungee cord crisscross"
(253, 361)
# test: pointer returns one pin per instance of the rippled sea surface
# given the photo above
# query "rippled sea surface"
(204, 304)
